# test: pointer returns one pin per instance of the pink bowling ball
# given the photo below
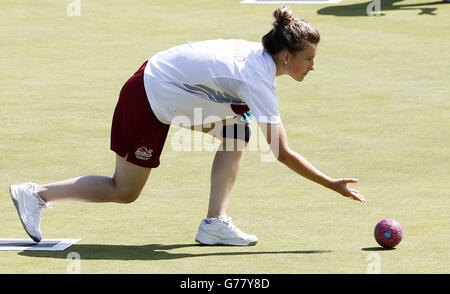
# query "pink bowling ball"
(388, 233)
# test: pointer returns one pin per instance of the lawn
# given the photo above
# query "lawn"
(376, 108)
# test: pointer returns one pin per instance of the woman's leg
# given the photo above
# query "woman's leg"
(225, 168)
(124, 187)
(217, 228)
(226, 164)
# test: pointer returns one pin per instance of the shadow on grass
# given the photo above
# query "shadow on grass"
(150, 252)
(360, 9)
(377, 249)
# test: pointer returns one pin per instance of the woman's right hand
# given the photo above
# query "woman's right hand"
(340, 186)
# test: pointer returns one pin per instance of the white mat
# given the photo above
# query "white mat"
(44, 245)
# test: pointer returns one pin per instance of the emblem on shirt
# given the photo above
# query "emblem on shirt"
(143, 153)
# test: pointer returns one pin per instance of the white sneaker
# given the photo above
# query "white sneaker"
(223, 232)
(29, 205)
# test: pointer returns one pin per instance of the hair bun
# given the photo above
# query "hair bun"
(283, 17)
(289, 33)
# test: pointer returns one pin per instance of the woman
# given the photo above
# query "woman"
(224, 79)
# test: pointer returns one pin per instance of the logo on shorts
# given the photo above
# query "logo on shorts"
(143, 153)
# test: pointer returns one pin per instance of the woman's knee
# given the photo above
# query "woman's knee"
(129, 180)
(127, 197)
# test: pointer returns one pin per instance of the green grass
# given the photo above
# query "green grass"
(376, 108)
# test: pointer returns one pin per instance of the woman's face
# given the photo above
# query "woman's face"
(299, 64)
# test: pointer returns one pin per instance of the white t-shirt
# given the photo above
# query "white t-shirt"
(197, 82)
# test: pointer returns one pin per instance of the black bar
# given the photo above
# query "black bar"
(224, 283)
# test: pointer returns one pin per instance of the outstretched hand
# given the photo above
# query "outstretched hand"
(340, 186)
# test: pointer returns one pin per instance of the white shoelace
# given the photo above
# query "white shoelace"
(227, 221)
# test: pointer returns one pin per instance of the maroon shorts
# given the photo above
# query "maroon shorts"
(135, 130)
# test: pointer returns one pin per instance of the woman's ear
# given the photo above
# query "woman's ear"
(281, 62)
(285, 56)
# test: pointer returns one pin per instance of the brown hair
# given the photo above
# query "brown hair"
(289, 33)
